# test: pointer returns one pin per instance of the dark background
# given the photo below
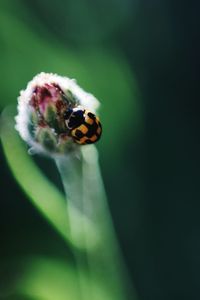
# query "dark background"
(153, 180)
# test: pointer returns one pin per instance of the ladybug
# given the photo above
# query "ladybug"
(84, 127)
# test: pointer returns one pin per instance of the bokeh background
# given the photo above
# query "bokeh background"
(141, 59)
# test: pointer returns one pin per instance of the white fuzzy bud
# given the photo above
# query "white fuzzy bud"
(41, 106)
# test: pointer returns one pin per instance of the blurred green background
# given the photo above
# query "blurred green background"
(141, 60)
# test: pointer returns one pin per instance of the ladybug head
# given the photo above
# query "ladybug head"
(74, 117)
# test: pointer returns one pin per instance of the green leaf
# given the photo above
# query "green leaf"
(54, 279)
(43, 194)
(48, 279)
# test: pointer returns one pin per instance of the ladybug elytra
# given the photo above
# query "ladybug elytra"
(84, 126)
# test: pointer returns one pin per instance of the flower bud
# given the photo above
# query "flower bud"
(42, 108)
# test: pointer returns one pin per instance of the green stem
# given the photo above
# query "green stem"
(84, 188)
(69, 169)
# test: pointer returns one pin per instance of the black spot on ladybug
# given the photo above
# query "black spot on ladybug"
(88, 141)
(78, 134)
(91, 115)
(92, 129)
